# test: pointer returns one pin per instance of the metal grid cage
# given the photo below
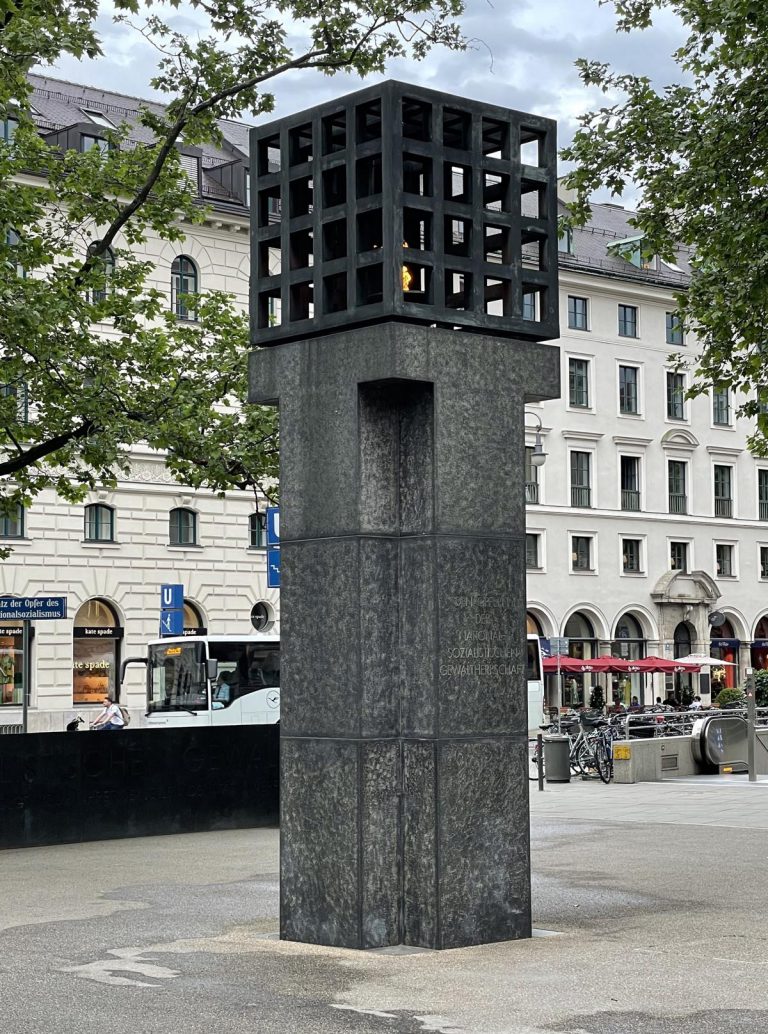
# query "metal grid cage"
(402, 203)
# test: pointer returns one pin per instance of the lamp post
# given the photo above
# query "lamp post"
(539, 457)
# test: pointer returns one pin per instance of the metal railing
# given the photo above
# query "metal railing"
(8, 730)
(630, 499)
(531, 492)
(648, 722)
(678, 503)
(764, 509)
(581, 496)
(723, 507)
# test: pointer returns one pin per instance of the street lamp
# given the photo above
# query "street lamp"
(538, 457)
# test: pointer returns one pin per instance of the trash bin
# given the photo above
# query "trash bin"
(557, 765)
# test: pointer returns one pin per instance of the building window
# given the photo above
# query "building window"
(95, 652)
(723, 491)
(674, 329)
(581, 553)
(630, 556)
(565, 242)
(183, 527)
(577, 313)
(531, 477)
(764, 561)
(721, 407)
(184, 287)
(11, 663)
(581, 481)
(762, 494)
(13, 240)
(532, 558)
(529, 306)
(627, 321)
(8, 127)
(724, 560)
(88, 143)
(256, 524)
(675, 396)
(678, 498)
(578, 383)
(628, 393)
(12, 524)
(19, 393)
(106, 262)
(678, 556)
(99, 523)
(630, 482)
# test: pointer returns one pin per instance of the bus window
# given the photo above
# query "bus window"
(244, 667)
(534, 668)
(177, 678)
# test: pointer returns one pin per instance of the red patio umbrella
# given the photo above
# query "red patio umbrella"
(662, 665)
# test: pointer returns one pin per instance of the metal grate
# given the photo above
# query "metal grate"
(403, 203)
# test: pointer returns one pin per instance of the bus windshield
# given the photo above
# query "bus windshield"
(177, 677)
(244, 667)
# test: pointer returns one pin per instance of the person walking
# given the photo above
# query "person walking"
(109, 718)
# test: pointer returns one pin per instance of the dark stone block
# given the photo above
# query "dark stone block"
(404, 710)
(482, 793)
(339, 837)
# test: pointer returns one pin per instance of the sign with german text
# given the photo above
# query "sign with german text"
(33, 608)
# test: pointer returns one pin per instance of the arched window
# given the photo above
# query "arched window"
(256, 524)
(99, 523)
(184, 286)
(182, 527)
(95, 652)
(107, 264)
(193, 619)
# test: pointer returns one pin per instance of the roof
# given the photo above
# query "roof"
(58, 103)
(594, 249)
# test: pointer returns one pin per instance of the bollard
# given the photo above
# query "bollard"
(751, 734)
(540, 759)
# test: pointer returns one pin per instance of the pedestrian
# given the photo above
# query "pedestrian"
(110, 718)
(695, 704)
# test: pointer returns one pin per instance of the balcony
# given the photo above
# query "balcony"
(581, 497)
(764, 509)
(678, 503)
(531, 492)
(723, 507)
(630, 499)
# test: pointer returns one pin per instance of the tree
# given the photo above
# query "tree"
(73, 400)
(698, 152)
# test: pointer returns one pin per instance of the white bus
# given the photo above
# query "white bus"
(535, 678)
(212, 680)
(235, 680)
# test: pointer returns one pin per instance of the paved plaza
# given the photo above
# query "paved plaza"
(650, 904)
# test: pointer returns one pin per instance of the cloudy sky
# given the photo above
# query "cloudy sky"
(523, 58)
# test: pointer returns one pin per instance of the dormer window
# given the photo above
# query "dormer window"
(98, 117)
(632, 251)
(87, 143)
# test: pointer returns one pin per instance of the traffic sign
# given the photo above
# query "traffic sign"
(273, 568)
(172, 597)
(32, 608)
(172, 622)
(273, 525)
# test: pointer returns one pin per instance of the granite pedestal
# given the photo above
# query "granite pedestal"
(404, 790)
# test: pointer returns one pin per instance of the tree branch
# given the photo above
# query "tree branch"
(43, 449)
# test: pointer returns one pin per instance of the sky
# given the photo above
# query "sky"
(522, 57)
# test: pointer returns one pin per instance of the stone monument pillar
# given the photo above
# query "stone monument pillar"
(404, 790)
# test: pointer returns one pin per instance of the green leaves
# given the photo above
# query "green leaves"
(698, 151)
(92, 361)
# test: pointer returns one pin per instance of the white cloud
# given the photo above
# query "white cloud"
(523, 57)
